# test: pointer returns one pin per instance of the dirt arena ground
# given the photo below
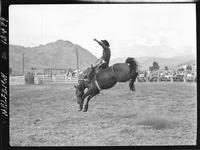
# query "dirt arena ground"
(155, 114)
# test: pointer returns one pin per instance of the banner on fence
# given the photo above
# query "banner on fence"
(47, 79)
(17, 80)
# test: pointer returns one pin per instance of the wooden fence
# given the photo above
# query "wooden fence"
(47, 79)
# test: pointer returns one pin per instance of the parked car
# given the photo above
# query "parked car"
(165, 79)
(153, 79)
(141, 78)
(190, 77)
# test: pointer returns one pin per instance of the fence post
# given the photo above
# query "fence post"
(36, 79)
(147, 80)
(136, 80)
(24, 79)
(184, 78)
(171, 78)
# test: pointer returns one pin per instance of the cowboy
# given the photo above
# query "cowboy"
(103, 61)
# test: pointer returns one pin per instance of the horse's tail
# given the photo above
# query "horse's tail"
(132, 62)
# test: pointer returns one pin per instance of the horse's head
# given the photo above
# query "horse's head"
(91, 73)
(86, 72)
(79, 91)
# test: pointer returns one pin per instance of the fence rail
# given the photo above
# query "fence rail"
(60, 79)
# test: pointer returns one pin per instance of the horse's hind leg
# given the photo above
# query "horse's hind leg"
(131, 85)
(89, 98)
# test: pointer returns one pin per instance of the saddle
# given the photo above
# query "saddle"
(100, 67)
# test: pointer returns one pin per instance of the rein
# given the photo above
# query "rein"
(112, 69)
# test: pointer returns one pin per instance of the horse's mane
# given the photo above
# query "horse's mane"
(133, 63)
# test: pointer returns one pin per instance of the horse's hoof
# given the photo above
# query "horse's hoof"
(85, 110)
(132, 89)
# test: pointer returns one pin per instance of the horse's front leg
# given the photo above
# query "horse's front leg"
(80, 106)
(80, 102)
(90, 91)
(89, 98)
(131, 84)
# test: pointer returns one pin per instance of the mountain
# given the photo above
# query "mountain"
(162, 53)
(60, 54)
(146, 62)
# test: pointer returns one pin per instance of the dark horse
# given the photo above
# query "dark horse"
(105, 79)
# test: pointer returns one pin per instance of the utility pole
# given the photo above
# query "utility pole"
(23, 63)
(77, 64)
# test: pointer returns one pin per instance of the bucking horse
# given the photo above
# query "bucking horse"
(105, 79)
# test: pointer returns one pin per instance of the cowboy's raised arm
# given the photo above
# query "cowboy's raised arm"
(100, 43)
(96, 40)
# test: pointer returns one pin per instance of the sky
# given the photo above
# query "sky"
(123, 25)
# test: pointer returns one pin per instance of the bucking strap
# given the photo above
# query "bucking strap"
(97, 85)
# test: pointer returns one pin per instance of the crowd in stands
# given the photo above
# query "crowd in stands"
(179, 73)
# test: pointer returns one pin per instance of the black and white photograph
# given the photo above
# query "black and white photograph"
(102, 74)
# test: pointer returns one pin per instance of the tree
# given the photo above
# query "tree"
(151, 68)
(154, 67)
(189, 67)
(33, 69)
